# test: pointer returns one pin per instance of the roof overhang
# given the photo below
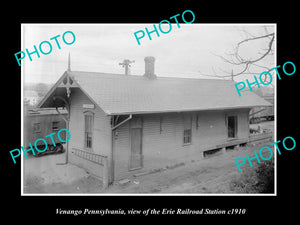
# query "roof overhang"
(181, 111)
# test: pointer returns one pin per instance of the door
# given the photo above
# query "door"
(232, 126)
(136, 149)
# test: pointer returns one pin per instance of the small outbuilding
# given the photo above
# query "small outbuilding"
(125, 124)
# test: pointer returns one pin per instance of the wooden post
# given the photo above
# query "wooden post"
(202, 154)
(105, 173)
(223, 150)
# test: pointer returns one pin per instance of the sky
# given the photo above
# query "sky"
(188, 51)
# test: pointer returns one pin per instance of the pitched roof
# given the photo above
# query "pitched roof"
(121, 94)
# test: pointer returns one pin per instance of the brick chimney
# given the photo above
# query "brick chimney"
(149, 67)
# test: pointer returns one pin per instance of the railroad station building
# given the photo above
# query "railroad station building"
(125, 124)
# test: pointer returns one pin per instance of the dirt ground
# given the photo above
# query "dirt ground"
(49, 174)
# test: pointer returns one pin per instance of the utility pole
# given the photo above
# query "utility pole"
(126, 64)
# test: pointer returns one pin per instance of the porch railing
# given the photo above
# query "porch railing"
(90, 156)
(95, 158)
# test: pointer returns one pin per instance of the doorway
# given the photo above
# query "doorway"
(136, 158)
(232, 126)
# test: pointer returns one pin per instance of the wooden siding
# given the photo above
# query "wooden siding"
(101, 132)
(162, 142)
(122, 151)
(162, 136)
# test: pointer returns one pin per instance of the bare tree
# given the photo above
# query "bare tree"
(242, 64)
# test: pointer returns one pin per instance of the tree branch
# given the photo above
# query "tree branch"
(234, 58)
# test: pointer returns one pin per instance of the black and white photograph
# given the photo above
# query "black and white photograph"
(143, 109)
(146, 111)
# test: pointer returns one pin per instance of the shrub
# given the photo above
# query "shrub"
(258, 180)
(265, 176)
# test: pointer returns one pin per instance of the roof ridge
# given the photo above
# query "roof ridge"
(141, 76)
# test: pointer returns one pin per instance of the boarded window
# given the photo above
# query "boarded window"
(36, 127)
(88, 131)
(55, 125)
(232, 126)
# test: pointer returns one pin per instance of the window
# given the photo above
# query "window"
(160, 124)
(36, 127)
(232, 126)
(88, 131)
(55, 125)
(187, 129)
(187, 136)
